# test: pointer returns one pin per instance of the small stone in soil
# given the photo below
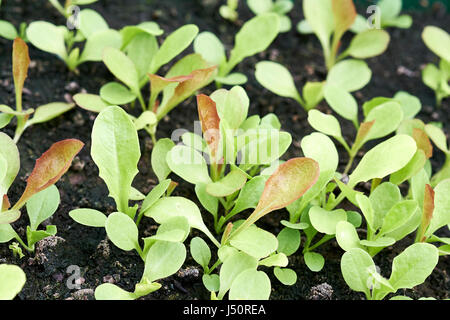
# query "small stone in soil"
(190, 273)
(108, 279)
(105, 249)
(80, 281)
(77, 164)
(321, 292)
(83, 294)
(401, 70)
(72, 86)
(78, 119)
(47, 247)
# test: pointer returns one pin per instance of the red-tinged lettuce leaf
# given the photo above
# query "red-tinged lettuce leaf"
(288, 183)
(362, 134)
(209, 118)
(344, 13)
(184, 90)
(423, 142)
(158, 83)
(427, 212)
(5, 205)
(50, 167)
(21, 61)
(226, 233)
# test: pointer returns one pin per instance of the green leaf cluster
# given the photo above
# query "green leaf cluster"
(242, 147)
(437, 77)
(115, 149)
(136, 61)
(59, 40)
(329, 20)
(254, 36)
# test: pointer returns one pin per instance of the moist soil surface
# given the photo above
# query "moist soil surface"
(99, 261)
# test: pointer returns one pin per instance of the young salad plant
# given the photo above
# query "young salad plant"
(382, 116)
(349, 75)
(409, 269)
(235, 147)
(245, 247)
(254, 37)
(437, 77)
(386, 14)
(316, 212)
(115, 150)
(44, 113)
(40, 197)
(329, 20)
(280, 7)
(312, 213)
(389, 216)
(137, 63)
(60, 41)
(12, 280)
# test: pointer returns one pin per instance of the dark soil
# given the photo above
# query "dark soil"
(100, 261)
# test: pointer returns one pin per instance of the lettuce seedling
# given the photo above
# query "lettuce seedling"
(388, 216)
(134, 69)
(316, 211)
(164, 252)
(435, 214)
(383, 116)
(12, 279)
(280, 7)
(386, 15)
(312, 213)
(437, 77)
(409, 269)
(255, 36)
(66, 10)
(70, 10)
(44, 113)
(389, 219)
(229, 10)
(245, 247)
(41, 197)
(350, 75)
(60, 41)
(330, 19)
(236, 148)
